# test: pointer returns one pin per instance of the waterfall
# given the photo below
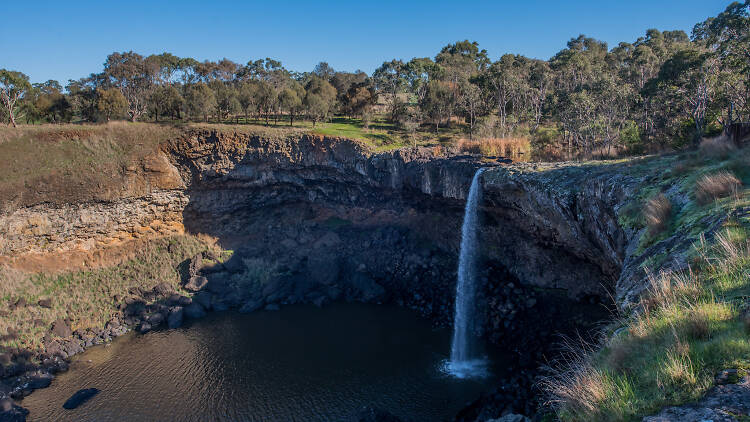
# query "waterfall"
(464, 362)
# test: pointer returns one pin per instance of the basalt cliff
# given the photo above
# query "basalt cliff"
(327, 219)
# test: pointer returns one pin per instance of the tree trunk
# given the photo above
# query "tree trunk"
(12, 118)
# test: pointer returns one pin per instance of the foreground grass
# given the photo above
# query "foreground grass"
(86, 296)
(691, 324)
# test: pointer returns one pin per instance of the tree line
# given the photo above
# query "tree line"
(665, 90)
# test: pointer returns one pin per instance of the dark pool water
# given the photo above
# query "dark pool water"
(298, 364)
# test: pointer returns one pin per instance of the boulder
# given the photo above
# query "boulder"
(277, 288)
(327, 240)
(194, 311)
(204, 299)
(717, 405)
(174, 299)
(40, 380)
(219, 304)
(163, 289)
(144, 328)
(156, 319)
(234, 264)
(174, 320)
(196, 283)
(365, 289)
(194, 267)
(323, 268)
(219, 283)
(251, 306)
(45, 303)
(61, 328)
(80, 397)
(134, 307)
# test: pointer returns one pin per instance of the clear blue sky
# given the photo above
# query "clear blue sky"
(68, 40)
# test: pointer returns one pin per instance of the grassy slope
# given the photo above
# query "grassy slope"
(381, 135)
(692, 324)
(86, 296)
(63, 163)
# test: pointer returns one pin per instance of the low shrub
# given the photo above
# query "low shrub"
(513, 148)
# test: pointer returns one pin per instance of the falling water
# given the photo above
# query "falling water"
(464, 362)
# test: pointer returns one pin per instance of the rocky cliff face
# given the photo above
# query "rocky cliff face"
(393, 217)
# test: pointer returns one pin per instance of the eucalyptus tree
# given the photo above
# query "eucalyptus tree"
(166, 100)
(13, 86)
(290, 100)
(419, 73)
(247, 96)
(438, 102)
(472, 105)
(46, 101)
(460, 62)
(267, 99)
(134, 76)
(684, 90)
(200, 100)
(111, 103)
(728, 37)
(359, 99)
(343, 82)
(540, 87)
(186, 67)
(389, 78)
(166, 64)
(324, 71)
(82, 95)
(506, 80)
(226, 99)
(320, 97)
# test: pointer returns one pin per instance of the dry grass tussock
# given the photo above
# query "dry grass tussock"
(657, 213)
(714, 186)
(513, 148)
(717, 147)
(575, 385)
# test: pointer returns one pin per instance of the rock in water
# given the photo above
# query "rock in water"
(174, 320)
(11, 412)
(194, 311)
(80, 397)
